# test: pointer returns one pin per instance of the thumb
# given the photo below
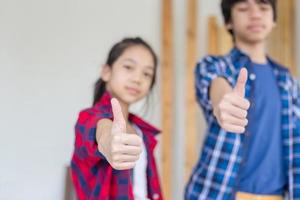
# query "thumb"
(119, 121)
(241, 83)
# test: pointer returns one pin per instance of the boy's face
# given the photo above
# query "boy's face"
(251, 21)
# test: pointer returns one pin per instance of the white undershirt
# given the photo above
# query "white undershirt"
(140, 173)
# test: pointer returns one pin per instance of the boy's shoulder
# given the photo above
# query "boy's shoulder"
(215, 64)
(211, 59)
(229, 60)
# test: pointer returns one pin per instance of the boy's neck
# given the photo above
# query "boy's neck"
(256, 51)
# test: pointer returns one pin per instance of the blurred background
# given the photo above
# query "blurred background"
(51, 52)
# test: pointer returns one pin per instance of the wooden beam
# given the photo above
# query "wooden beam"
(167, 94)
(212, 35)
(191, 106)
(219, 39)
(281, 45)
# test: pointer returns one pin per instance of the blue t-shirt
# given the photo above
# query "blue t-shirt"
(262, 169)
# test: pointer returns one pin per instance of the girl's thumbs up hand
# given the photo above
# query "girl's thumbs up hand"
(121, 149)
(232, 110)
(119, 123)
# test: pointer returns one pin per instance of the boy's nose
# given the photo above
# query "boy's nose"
(255, 11)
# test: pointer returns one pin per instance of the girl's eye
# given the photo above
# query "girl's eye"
(148, 75)
(128, 67)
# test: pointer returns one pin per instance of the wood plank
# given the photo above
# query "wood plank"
(191, 106)
(212, 35)
(219, 39)
(167, 94)
(281, 44)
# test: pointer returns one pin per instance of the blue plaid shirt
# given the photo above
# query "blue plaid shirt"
(214, 177)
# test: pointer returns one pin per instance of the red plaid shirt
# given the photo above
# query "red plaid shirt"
(92, 175)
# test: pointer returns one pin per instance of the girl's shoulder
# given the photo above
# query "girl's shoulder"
(94, 114)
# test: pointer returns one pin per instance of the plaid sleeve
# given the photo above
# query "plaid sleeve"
(206, 71)
(296, 98)
(296, 138)
(86, 146)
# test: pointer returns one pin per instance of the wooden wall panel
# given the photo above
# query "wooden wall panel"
(191, 106)
(167, 94)
(281, 44)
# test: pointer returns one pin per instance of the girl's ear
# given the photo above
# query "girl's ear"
(105, 73)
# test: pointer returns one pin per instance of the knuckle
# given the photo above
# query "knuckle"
(221, 106)
(227, 96)
(115, 158)
(223, 117)
(115, 138)
(247, 104)
(114, 149)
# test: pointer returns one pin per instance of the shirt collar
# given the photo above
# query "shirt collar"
(104, 106)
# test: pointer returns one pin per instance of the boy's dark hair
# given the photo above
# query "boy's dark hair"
(226, 6)
(116, 51)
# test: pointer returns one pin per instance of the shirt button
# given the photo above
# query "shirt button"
(252, 77)
(155, 196)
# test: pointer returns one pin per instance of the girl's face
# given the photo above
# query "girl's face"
(130, 77)
(251, 21)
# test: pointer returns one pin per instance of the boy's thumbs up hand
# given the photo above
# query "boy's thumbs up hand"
(232, 110)
(121, 149)
(239, 88)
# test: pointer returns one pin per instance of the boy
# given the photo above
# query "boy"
(252, 145)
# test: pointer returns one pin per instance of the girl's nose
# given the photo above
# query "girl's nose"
(137, 78)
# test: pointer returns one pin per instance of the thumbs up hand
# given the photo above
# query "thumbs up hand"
(121, 149)
(231, 112)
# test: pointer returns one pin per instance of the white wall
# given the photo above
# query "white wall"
(50, 56)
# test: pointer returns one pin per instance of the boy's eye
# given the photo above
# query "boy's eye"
(264, 7)
(242, 8)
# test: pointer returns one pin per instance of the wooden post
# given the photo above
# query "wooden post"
(191, 107)
(219, 40)
(212, 36)
(281, 44)
(167, 94)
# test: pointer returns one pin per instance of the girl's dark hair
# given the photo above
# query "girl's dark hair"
(226, 6)
(116, 51)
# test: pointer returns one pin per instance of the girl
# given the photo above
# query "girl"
(113, 157)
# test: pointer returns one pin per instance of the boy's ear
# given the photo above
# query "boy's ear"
(228, 26)
(105, 73)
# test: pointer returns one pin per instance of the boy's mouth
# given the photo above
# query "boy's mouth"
(255, 28)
